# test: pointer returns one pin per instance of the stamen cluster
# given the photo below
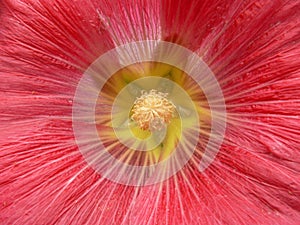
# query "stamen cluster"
(151, 111)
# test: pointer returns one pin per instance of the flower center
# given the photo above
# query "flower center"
(152, 111)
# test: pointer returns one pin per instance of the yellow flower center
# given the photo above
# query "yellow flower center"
(152, 110)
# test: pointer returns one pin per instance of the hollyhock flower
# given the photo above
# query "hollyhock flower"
(149, 112)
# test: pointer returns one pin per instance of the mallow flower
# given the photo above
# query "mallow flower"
(144, 112)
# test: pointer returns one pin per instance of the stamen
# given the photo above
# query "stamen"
(152, 111)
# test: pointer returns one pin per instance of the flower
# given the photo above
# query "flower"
(149, 112)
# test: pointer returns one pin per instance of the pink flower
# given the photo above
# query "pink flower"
(149, 112)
